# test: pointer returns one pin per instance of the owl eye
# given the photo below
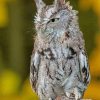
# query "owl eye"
(54, 19)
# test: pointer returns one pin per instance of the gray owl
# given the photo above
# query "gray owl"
(59, 67)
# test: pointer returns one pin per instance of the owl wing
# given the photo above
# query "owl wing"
(34, 68)
(84, 67)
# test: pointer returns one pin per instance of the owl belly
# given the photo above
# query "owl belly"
(50, 79)
(54, 69)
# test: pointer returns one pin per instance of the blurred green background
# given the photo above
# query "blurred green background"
(16, 43)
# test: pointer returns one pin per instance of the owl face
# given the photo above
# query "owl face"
(55, 18)
(58, 22)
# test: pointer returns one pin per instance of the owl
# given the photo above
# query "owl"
(59, 68)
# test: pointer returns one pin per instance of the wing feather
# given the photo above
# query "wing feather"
(35, 61)
(84, 67)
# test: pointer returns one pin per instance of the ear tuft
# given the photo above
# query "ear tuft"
(39, 4)
(59, 3)
(68, 5)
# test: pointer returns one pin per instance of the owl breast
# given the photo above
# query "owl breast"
(57, 63)
(56, 60)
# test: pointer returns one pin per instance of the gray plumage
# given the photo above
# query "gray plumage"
(59, 66)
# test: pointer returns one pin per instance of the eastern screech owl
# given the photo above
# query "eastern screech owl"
(59, 66)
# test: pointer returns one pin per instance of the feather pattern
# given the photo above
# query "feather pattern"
(59, 65)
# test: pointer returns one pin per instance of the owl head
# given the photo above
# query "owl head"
(57, 18)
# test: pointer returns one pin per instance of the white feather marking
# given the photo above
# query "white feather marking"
(49, 12)
(68, 94)
(46, 19)
(77, 94)
(68, 3)
(36, 59)
(31, 76)
(50, 98)
(82, 59)
(37, 19)
(32, 60)
(75, 12)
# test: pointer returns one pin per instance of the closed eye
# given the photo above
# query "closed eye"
(54, 20)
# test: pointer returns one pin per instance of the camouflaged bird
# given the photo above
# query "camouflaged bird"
(59, 67)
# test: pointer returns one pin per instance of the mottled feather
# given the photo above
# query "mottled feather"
(59, 65)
